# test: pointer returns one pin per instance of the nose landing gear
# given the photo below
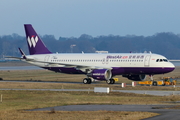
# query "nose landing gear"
(154, 83)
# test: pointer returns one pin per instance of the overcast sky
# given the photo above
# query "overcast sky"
(69, 18)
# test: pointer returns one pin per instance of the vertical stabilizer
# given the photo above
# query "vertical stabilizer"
(35, 44)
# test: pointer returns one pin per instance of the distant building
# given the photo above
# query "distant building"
(101, 51)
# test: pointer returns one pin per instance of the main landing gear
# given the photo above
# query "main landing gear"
(110, 81)
(89, 81)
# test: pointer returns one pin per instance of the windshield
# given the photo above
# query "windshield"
(161, 60)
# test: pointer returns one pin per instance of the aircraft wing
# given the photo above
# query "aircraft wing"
(83, 68)
(77, 66)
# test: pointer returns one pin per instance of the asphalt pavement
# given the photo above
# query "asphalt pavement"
(163, 110)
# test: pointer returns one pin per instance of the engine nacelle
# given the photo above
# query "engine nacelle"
(136, 77)
(101, 74)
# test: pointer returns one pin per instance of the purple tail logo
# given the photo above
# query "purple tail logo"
(35, 44)
(32, 41)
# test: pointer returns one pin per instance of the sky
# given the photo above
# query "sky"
(72, 18)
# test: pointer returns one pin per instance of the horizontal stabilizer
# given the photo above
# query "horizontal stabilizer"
(19, 58)
(13, 57)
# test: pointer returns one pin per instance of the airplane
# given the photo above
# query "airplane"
(102, 67)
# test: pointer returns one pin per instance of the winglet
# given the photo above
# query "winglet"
(22, 53)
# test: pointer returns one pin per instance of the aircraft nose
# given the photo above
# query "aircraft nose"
(171, 66)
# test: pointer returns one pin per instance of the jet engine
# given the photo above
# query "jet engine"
(136, 77)
(101, 74)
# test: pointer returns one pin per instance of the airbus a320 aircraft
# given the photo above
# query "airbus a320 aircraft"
(134, 66)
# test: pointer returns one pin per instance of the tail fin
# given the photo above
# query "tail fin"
(35, 44)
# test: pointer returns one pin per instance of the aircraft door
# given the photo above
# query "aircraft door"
(146, 62)
(46, 58)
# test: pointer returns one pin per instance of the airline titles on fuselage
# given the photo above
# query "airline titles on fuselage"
(125, 57)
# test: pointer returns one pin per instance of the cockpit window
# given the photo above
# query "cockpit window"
(165, 60)
(161, 60)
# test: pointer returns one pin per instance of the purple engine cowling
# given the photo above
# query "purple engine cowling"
(101, 74)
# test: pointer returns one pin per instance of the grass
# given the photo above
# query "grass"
(76, 115)
(16, 102)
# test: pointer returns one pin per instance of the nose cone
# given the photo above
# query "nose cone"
(170, 67)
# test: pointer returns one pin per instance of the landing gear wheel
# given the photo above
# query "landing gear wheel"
(154, 83)
(87, 81)
(110, 81)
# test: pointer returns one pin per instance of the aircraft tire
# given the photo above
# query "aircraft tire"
(108, 81)
(85, 80)
(89, 81)
(154, 83)
(112, 81)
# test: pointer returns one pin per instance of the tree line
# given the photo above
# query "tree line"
(167, 44)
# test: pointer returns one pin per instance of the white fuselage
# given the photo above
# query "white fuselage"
(118, 60)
